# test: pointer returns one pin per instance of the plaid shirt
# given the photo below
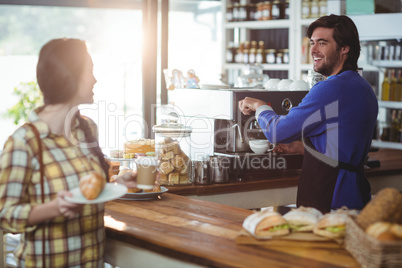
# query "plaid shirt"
(76, 242)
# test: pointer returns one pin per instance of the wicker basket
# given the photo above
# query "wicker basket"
(370, 252)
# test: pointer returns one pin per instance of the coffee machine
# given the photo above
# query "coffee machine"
(230, 130)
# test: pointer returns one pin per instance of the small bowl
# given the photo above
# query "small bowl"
(299, 85)
(284, 84)
(260, 146)
(272, 84)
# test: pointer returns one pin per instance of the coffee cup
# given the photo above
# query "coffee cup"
(147, 170)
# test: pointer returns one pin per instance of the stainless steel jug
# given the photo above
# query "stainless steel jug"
(219, 168)
(235, 140)
(200, 171)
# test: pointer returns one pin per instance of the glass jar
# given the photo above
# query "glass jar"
(285, 10)
(279, 58)
(306, 9)
(242, 13)
(270, 56)
(315, 9)
(266, 11)
(323, 7)
(229, 13)
(286, 55)
(252, 10)
(173, 150)
(276, 10)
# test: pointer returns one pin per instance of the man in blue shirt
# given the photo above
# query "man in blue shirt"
(335, 121)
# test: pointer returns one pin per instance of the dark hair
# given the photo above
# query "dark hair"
(59, 70)
(345, 34)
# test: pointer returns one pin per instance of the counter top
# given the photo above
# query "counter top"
(390, 165)
(203, 233)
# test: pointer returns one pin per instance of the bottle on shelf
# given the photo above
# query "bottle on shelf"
(323, 8)
(398, 90)
(285, 10)
(276, 10)
(229, 13)
(306, 9)
(395, 126)
(385, 87)
(314, 9)
(392, 86)
(266, 10)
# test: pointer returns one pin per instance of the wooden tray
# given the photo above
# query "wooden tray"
(302, 239)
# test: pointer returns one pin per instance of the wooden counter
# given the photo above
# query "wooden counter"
(280, 187)
(183, 232)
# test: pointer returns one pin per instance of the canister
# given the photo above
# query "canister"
(173, 150)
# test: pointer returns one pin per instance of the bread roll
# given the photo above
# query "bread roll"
(265, 224)
(92, 185)
(396, 229)
(386, 206)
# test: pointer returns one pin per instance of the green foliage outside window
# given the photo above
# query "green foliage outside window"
(30, 97)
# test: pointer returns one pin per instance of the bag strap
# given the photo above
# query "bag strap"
(42, 183)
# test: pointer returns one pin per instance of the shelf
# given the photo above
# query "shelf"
(306, 66)
(266, 67)
(386, 144)
(266, 24)
(378, 26)
(390, 104)
(387, 63)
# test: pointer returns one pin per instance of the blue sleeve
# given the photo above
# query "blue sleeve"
(310, 118)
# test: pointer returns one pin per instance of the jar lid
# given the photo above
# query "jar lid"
(173, 130)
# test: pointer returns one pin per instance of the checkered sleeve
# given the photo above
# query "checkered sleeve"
(15, 175)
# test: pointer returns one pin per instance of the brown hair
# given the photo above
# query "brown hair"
(58, 72)
(345, 34)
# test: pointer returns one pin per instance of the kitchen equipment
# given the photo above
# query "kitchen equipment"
(173, 150)
(219, 169)
(201, 172)
(220, 121)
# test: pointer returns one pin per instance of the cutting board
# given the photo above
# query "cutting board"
(305, 239)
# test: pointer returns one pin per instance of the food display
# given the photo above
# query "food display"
(92, 185)
(373, 237)
(174, 165)
(139, 147)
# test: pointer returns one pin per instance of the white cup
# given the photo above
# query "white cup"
(284, 84)
(261, 146)
(272, 84)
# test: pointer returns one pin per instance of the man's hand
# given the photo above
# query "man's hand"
(249, 105)
(296, 147)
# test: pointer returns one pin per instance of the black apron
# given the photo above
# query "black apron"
(318, 179)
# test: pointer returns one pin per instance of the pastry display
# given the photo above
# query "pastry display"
(174, 163)
(140, 146)
(92, 185)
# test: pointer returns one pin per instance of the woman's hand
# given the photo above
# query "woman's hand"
(129, 179)
(296, 147)
(67, 209)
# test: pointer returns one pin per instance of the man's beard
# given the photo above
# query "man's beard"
(327, 68)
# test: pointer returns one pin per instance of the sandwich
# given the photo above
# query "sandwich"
(302, 219)
(331, 225)
(266, 224)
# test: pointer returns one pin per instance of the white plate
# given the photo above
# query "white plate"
(144, 196)
(110, 192)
